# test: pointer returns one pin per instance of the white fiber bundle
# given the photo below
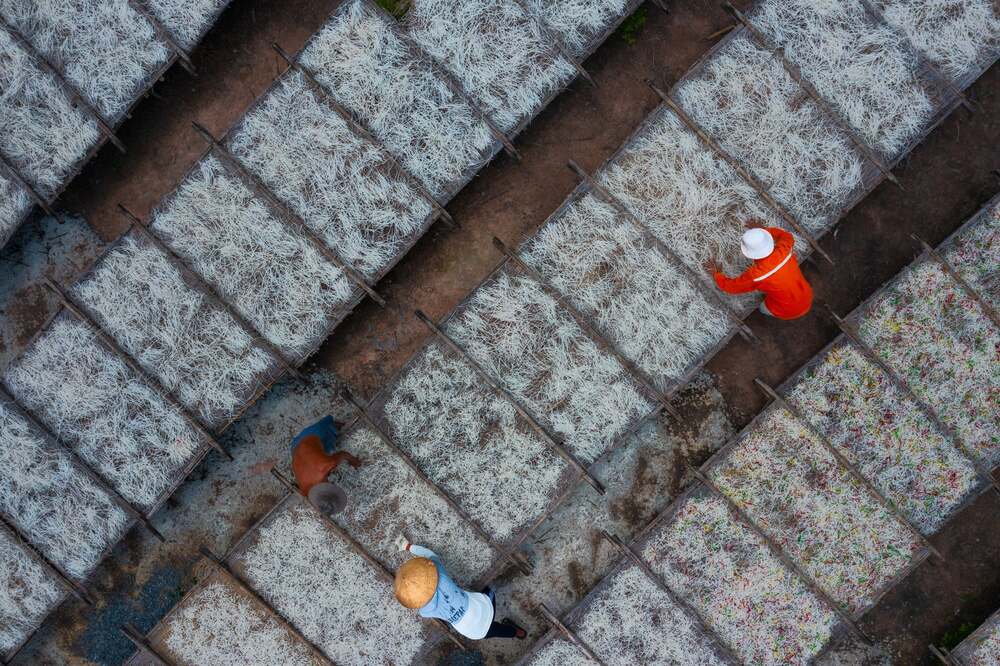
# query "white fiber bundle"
(328, 592)
(496, 51)
(557, 652)
(196, 349)
(272, 274)
(107, 50)
(942, 344)
(744, 593)
(388, 499)
(645, 306)
(579, 24)
(756, 111)
(830, 524)
(633, 621)
(974, 253)
(470, 441)
(64, 514)
(15, 203)
(959, 36)
(339, 184)
(689, 198)
(886, 436)
(186, 20)
(27, 593)
(94, 403)
(219, 625)
(399, 98)
(525, 340)
(42, 133)
(857, 64)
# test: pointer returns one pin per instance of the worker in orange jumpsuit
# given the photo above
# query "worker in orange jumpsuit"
(775, 272)
(314, 457)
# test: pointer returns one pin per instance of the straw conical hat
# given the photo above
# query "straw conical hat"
(416, 582)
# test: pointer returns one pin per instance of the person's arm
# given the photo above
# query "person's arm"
(404, 544)
(782, 239)
(344, 456)
(741, 284)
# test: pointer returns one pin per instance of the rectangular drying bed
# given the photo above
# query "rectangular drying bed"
(639, 299)
(194, 348)
(268, 270)
(920, 324)
(496, 51)
(187, 21)
(470, 441)
(981, 647)
(28, 593)
(582, 25)
(342, 186)
(363, 58)
(330, 593)
(532, 347)
(64, 514)
(885, 434)
(95, 404)
(742, 591)
(974, 252)
(834, 528)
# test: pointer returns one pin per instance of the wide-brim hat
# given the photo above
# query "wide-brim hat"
(416, 582)
(328, 498)
(757, 244)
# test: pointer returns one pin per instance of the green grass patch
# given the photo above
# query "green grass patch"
(395, 7)
(952, 638)
(631, 27)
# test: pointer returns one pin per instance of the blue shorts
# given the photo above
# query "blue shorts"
(327, 432)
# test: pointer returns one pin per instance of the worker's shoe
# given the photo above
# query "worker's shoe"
(520, 634)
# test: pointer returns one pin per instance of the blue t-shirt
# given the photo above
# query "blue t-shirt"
(327, 432)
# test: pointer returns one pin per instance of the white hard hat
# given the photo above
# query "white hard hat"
(757, 243)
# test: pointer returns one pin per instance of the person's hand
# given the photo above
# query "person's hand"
(356, 462)
(753, 224)
(402, 542)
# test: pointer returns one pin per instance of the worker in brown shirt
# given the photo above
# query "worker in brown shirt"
(314, 457)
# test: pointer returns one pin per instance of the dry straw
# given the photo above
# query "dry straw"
(187, 20)
(578, 23)
(27, 593)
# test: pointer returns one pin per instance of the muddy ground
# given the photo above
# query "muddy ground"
(944, 181)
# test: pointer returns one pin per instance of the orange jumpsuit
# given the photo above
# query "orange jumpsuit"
(787, 295)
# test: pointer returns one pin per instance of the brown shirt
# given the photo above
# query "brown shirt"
(311, 465)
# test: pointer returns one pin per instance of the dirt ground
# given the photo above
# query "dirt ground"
(944, 181)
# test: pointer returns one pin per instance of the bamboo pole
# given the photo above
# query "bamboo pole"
(74, 94)
(590, 330)
(962, 282)
(54, 570)
(519, 561)
(750, 179)
(126, 358)
(558, 47)
(284, 212)
(164, 34)
(848, 466)
(570, 636)
(943, 656)
(364, 134)
(494, 383)
(209, 291)
(224, 571)
(26, 186)
(745, 332)
(796, 74)
(139, 640)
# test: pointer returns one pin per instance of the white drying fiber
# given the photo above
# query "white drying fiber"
(42, 133)
(557, 652)
(524, 339)
(107, 50)
(974, 253)
(219, 625)
(579, 24)
(829, 523)
(27, 593)
(55, 506)
(470, 441)
(387, 499)
(942, 344)
(495, 50)
(633, 621)
(744, 593)
(959, 36)
(274, 276)
(14, 206)
(399, 98)
(983, 647)
(857, 64)
(340, 185)
(648, 309)
(94, 403)
(328, 592)
(886, 436)
(196, 349)
(186, 20)
(756, 111)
